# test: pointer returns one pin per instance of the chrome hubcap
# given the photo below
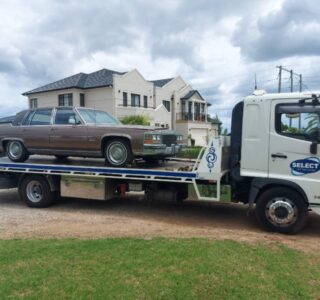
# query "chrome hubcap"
(281, 211)
(15, 149)
(117, 153)
(34, 191)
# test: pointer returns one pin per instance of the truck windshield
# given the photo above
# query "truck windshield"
(91, 116)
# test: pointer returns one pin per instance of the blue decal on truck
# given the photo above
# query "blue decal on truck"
(305, 166)
(211, 157)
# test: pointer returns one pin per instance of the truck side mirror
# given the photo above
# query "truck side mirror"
(314, 147)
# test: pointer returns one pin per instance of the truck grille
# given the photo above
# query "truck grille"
(169, 139)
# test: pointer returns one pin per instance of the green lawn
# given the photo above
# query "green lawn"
(154, 269)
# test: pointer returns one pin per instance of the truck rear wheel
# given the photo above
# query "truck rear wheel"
(35, 191)
(282, 210)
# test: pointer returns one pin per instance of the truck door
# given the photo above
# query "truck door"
(293, 151)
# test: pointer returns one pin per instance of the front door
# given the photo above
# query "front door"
(294, 126)
(68, 133)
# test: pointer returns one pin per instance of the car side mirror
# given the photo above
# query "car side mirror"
(314, 147)
(72, 121)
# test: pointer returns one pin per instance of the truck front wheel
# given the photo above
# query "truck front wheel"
(35, 191)
(282, 210)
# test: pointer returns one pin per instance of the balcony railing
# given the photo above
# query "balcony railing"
(135, 106)
(196, 117)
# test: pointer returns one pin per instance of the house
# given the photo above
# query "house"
(168, 103)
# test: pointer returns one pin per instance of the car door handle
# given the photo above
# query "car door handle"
(279, 155)
(54, 129)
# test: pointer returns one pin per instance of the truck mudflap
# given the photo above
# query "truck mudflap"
(8, 182)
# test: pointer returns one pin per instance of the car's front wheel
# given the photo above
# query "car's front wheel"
(16, 151)
(118, 153)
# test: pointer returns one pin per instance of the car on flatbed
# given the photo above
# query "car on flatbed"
(83, 132)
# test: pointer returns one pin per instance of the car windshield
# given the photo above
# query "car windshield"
(91, 116)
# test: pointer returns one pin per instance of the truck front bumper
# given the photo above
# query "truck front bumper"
(162, 149)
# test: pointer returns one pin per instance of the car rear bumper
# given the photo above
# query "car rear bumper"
(162, 149)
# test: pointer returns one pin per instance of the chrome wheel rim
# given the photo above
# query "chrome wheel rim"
(15, 149)
(117, 153)
(34, 191)
(281, 211)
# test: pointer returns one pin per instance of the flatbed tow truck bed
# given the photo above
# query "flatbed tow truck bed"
(173, 170)
(41, 178)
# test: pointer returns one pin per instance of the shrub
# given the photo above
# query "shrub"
(136, 120)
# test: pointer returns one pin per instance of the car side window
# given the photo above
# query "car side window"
(28, 118)
(300, 122)
(66, 117)
(41, 117)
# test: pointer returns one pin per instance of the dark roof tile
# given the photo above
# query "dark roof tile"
(99, 78)
(161, 82)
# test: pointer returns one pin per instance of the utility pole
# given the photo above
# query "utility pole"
(280, 74)
(281, 69)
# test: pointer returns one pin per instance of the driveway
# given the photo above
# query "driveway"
(133, 217)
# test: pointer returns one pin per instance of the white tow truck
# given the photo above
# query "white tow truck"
(270, 161)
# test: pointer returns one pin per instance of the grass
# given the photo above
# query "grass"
(154, 269)
(190, 152)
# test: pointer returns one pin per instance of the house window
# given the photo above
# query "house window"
(135, 100)
(145, 101)
(125, 99)
(34, 103)
(82, 101)
(166, 104)
(65, 100)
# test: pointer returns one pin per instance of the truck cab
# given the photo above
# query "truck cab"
(275, 160)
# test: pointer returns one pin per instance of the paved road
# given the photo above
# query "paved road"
(132, 217)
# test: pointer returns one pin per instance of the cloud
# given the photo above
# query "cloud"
(215, 45)
(292, 30)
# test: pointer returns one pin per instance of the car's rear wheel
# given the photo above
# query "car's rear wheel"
(118, 152)
(16, 151)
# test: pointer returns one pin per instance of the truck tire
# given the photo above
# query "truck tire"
(35, 191)
(16, 151)
(281, 209)
(118, 152)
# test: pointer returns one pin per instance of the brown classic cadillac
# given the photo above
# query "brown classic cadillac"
(67, 131)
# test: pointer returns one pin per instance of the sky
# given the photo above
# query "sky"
(217, 46)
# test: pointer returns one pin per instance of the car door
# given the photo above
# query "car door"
(68, 133)
(35, 130)
(294, 127)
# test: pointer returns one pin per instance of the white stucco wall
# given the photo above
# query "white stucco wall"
(50, 99)
(132, 83)
(100, 98)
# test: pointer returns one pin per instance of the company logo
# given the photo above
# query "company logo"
(211, 157)
(305, 166)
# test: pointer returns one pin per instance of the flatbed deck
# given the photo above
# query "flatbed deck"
(169, 170)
